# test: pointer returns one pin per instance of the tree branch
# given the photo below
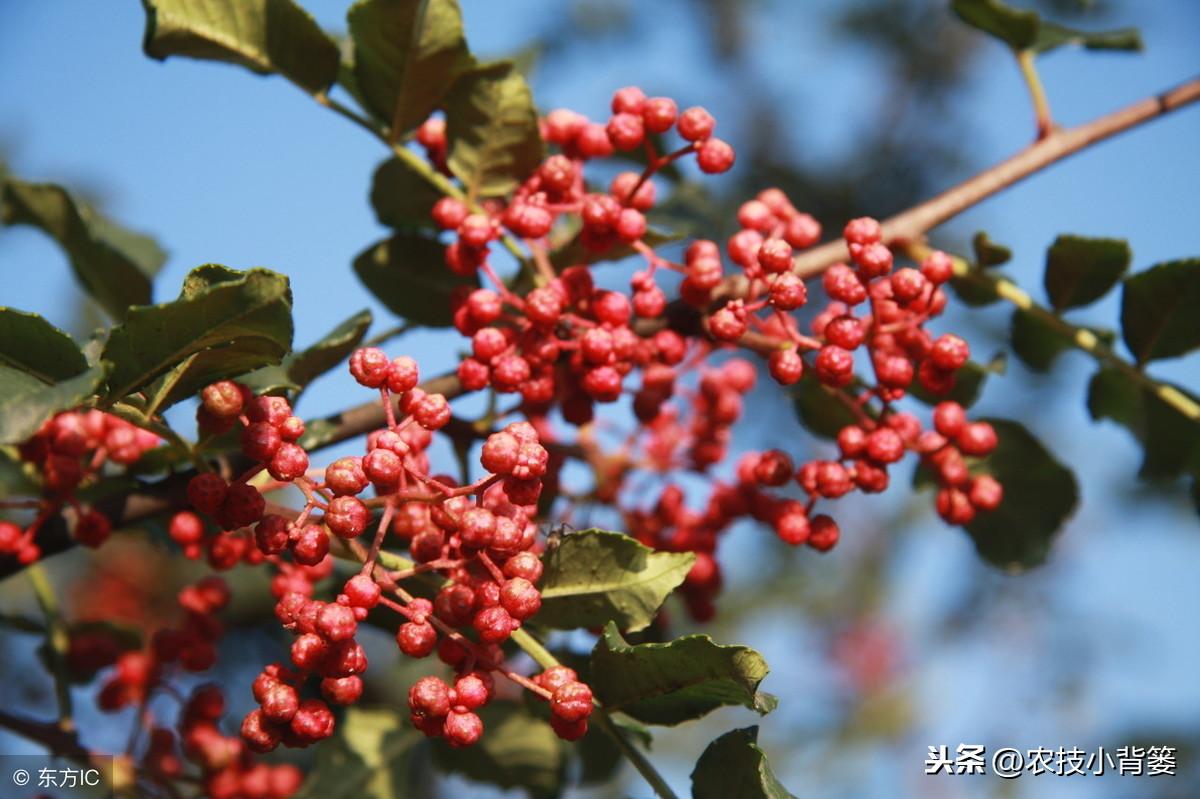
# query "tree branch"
(910, 225)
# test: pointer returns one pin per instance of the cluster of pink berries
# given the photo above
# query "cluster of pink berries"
(67, 451)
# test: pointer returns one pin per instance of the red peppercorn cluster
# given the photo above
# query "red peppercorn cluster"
(566, 344)
(227, 767)
(229, 770)
(479, 538)
(566, 341)
(67, 452)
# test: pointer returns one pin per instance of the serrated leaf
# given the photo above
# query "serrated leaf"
(735, 765)
(818, 408)
(987, 252)
(368, 758)
(968, 383)
(1170, 440)
(518, 750)
(492, 130)
(232, 322)
(30, 344)
(407, 54)
(678, 681)
(1026, 30)
(1081, 270)
(113, 267)
(1158, 310)
(24, 405)
(300, 368)
(402, 198)
(1040, 494)
(408, 274)
(595, 576)
(265, 36)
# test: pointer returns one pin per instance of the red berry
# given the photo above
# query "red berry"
(289, 462)
(430, 697)
(462, 729)
(863, 231)
(572, 702)
(222, 399)
(243, 505)
(949, 352)
(715, 156)
(185, 529)
(347, 517)
(416, 640)
(835, 366)
(342, 690)
(520, 598)
(659, 114)
(977, 438)
(370, 366)
(949, 418)
(885, 445)
(986, 493)
(824, 533)
(346, 477)
(696, 124)
(786, 366)
(260, 441)
(206, 492)
(626, 131)
(448, 213)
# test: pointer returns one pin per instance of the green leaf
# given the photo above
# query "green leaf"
(265, 36)
(25, 403)
(402, 198)
(987, 252)
(1052, 36)
(1081, 270)
(407, 54)
(492, 130)
(596, 576)
(408, 274)
(1039, 495)
(974, 292)
(819, 409)
(227, 322)
(1158, 310)
(112, 265)
(1038, 343)
(678, 681)
(30, 344)
(1026, 30)
(517, 750)
(968, 383)
(368, 758)
(735, 765)
(1170, 440)
(299, 369)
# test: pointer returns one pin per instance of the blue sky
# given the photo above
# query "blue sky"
(225, 167)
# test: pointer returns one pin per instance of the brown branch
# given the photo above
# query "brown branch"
(910, 225)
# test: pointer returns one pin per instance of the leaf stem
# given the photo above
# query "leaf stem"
(639, 761)
(1037, 92)
(58, 640)
(1080, 337)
